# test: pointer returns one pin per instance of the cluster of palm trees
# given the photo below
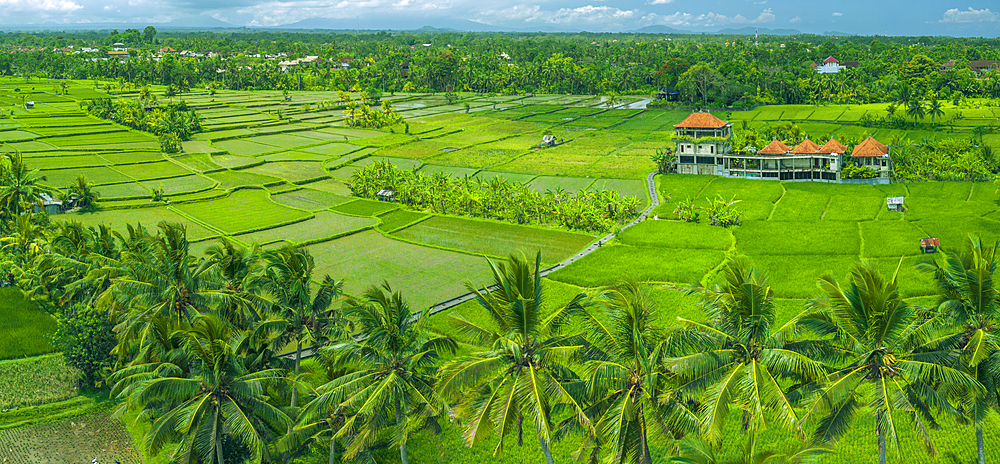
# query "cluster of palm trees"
(202, 343)
(361, 113)
(175, 120)
(496, 198)
(22, 188)
(915, 108)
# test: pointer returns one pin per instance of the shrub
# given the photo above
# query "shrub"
(687, 210)
(85, 337)
(853, 171)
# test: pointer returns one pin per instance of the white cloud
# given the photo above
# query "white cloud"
(706, 20)
(955, 15)
(795, 20)
(660, 2)
(838, 14)
(590, 14)
(52, 6)
(604, 17)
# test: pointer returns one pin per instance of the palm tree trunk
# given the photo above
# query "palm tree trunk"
(645, 458)
(881, 442)
(333, 447)
(545, 449)
(979, 442)
(298, 362)
(402, 446)
(218, 451)
(520, 431)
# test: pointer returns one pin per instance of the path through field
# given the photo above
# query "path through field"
(451, 303)
(654, 202)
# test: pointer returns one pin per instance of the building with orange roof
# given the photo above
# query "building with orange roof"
(774, 148)
(702, 143)
(777, 161)
(833, 146)
(874, 155)
(703, 147)
(807, 147)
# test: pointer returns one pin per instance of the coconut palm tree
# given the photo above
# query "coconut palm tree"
(391, 372)
(20, 186)
(221, 403)
(626, 380)
(158, 277)
(84, 192)
(523, 369)
(893, 363)
(235, 269)
(305, 318)
(915, 110)
(970, 302)
(741, 359)
(935, 109)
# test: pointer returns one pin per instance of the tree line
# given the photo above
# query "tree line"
(709, 70)
(591, 210)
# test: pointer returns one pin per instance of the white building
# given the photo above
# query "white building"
(830, 66)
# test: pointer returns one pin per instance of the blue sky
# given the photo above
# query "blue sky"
(916, 17)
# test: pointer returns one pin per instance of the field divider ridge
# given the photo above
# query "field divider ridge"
(469, 296)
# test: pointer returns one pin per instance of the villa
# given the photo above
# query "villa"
(703, 147)
(702, 144)
(830, 66)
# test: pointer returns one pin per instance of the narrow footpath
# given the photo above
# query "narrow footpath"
(654, 198)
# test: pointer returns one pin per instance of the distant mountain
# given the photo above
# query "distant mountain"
(761, 30)
(389, 24)
(660, 30)
(195, 22)
(838, 34)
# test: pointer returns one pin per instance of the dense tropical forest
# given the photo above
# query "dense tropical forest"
(710, 70)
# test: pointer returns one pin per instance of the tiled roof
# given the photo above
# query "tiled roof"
(948, 64)
(806, 147)
(814, 64)
(833, 146)
(701, 121)
(774, 148)
(870, 148)
(982, 63)
(830, 59)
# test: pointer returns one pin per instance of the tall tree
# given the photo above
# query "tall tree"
(627, 384)
(83, 190)
(221, 399)
(915, 110)
(523, 370)
(740, 358)
(391, 372)
(970, 303)
(20, 186)
(304, 317)
(894, 363)
(934, 109)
